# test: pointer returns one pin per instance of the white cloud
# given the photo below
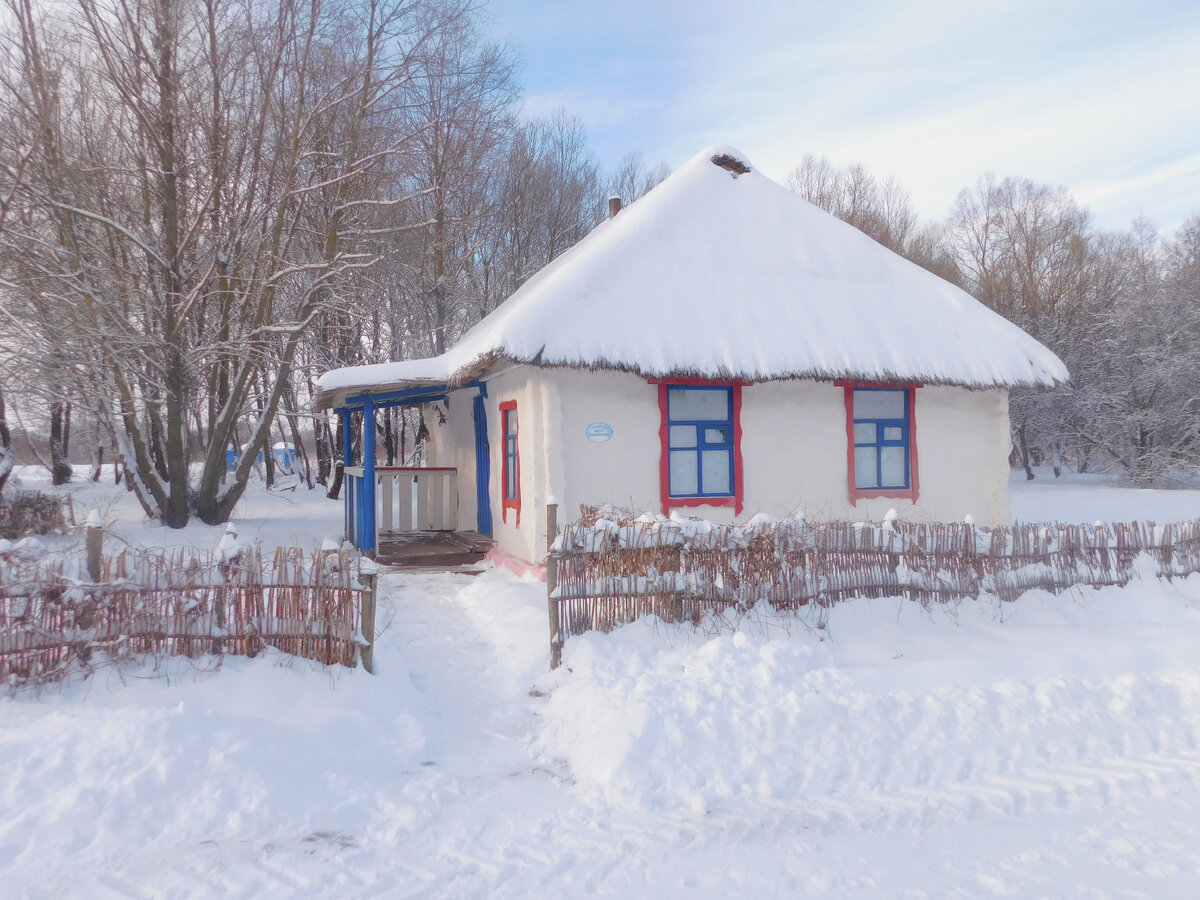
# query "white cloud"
(1094, 96)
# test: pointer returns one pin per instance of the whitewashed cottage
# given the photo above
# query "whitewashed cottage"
(720, 348)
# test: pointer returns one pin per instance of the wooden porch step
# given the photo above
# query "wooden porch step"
(433, 550)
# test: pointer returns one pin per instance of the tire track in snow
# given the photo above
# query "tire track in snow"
(1034, 792)
(593, 849)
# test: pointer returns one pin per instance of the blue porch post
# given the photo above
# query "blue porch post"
(366, 504)
(483, 498)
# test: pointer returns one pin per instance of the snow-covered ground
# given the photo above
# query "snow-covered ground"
(1088, 498)
(1047, 747)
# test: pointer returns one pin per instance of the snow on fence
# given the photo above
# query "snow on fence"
(55, 620)
(612, 568)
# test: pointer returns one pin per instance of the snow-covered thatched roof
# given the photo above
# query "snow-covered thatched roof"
(722, 274)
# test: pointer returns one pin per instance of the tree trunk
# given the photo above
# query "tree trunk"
(6, 451)
(339, 463)
(1023, 444)
(403, 447)
(118, 469)
(324, 448)
(175, 511)
(268, 454)
(154, 434)
(302, 459)
(60, 442)
(389, 436)
(300, 462)
(335, 487)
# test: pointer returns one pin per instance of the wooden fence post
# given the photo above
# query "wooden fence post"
(95, 542)
(551, 584)
(368, 578)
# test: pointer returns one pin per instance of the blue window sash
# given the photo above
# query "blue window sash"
(703, 445)
(880, 441)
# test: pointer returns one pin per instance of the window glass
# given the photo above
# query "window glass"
(876, 403)
(893, 472)
(716, 435)
(866, 467)
(715, 472)
(892, 433)
(698, 404)
(864, 432)
(510, 421)
(683, 435)
(684, 473)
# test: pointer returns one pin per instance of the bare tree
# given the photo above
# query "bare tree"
(13, 160)
(632, 178)
(208, 179)
(460, 101)
(549, 199)
(1023, 249)
(882, 210)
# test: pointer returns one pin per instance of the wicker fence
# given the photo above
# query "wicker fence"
(611, 568)
(55, 621)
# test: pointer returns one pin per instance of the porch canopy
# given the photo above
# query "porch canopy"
(369, 485)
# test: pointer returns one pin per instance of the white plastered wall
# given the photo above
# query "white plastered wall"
(622, 470)
(963, 442)
(453, 444)
(793, 452)
(523, 536)
(795, 460)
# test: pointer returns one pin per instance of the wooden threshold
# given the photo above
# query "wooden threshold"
(433, 551)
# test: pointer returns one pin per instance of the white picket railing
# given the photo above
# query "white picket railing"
(413, 498)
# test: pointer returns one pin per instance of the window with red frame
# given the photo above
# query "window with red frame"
(510, 476)
(701, 462)
(881, 438)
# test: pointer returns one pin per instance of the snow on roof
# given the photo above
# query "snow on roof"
(725, 274)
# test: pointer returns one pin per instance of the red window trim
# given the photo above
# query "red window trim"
(505, 503)
(700, 381)
(914, 488)
(664, 461)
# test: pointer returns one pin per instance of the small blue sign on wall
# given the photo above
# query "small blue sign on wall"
(599, 432)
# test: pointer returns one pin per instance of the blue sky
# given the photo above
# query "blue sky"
(1100, 97)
